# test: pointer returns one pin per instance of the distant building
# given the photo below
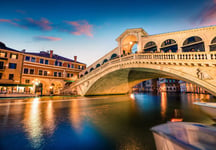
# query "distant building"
(43, 73)
(190, 88)
(168, 85)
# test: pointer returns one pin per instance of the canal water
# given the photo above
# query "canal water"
(92, 123)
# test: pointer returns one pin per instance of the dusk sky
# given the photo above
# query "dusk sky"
(88, 29)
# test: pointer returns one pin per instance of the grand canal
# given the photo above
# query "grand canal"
(97, 123)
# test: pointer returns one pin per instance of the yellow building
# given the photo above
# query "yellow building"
(10, 70)
(49, 72)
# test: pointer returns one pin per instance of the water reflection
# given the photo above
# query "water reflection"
(32, 123)
(49, 122)
(114, 122)
(75, 116)
(163, 104)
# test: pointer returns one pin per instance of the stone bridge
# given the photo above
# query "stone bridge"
(188, 55)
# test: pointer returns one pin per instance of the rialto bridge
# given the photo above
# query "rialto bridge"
(188, 55)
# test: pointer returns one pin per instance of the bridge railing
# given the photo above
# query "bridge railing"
(196, 57)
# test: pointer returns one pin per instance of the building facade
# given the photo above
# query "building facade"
(43, 73)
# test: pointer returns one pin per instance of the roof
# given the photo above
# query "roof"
(3, 46)
(55, 56)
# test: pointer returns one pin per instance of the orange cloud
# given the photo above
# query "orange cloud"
(46, 38)
(81, 27)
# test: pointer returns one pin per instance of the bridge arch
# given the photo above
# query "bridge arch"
(105, 61)
(113, 56)
(193, 44)
(213, 44)
(169, 45)
(150, 47)
(91, 69)
(98, 65)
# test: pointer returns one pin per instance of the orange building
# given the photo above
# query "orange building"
(42, 73)
(10, 67)
(49, 72)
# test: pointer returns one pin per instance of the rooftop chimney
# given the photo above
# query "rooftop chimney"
(75, 58)
(51, 53)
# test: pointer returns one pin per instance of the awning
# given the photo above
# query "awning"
(16, 85)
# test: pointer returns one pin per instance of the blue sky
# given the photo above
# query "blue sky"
(88, 29)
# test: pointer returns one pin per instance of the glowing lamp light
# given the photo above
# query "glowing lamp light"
(131, 42)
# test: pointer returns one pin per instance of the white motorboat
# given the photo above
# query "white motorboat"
(208, 108)
(184, 136)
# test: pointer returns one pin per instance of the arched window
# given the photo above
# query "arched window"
(113, 56)
(150, 47)
(213, 45)
(98, 65)
(91, 69)
(105, 60)
(169, 45)
(86, 72)
(193, 44)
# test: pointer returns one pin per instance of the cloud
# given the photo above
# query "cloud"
(46, 38)
(207, 16)
(43, 24)
(80, 28)
(29, 23)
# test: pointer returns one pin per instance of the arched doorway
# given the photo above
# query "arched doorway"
(39, 89)
(150, 47)
(169, 45)
(193, 44)
(213, 45)
(127, 44)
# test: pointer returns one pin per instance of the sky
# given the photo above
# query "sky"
(88, 29)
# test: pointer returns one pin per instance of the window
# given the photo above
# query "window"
(60, 63)
(25, 71)
(68, 65)
(83, 67)
(56, 63)
(1, 65)
(41, 61)
(78, 66)
(27, 81)
(12, 65)
(45, 73)
(71, 74)
(33, 59)
(72, 66)
(68, 75)
(0, 75)
(11, 76)
(27, 58)
(13, 56)
(3, 54)
(55, 74)
(31, 71)
(59, 74)
(40, 72)
(47, 62)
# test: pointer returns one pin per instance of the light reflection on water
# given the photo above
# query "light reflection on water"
(114, 122)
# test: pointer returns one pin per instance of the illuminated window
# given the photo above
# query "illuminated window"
(13, 56)
(3, 54)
